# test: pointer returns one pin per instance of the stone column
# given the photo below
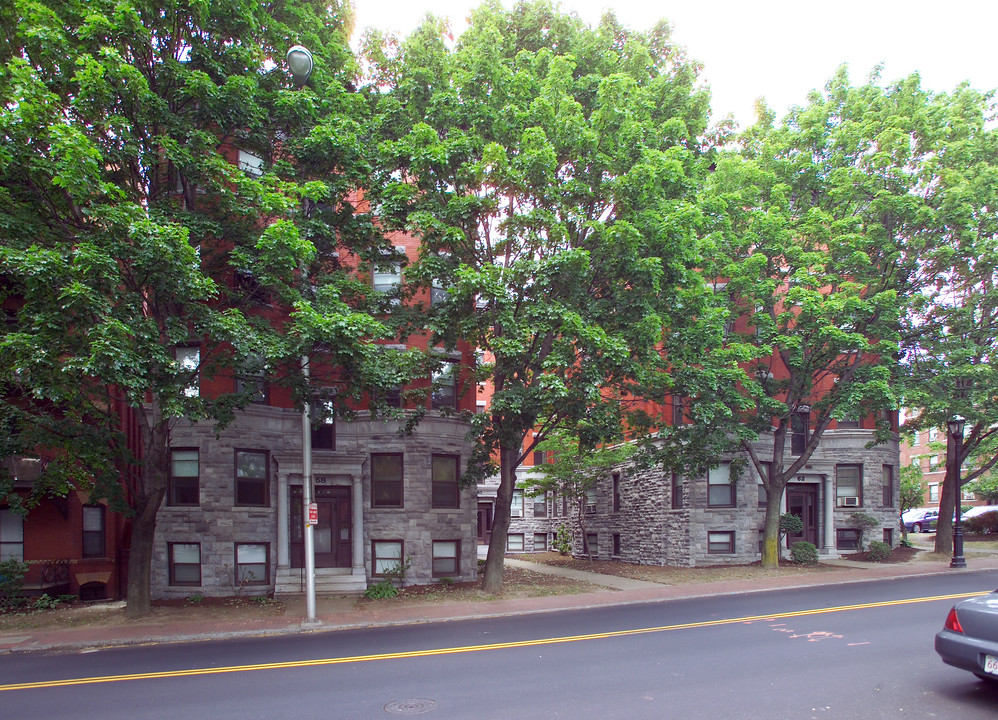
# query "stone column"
(283, 507)
(357, 538)
(828, 531)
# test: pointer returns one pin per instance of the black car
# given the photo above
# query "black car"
(969, 638)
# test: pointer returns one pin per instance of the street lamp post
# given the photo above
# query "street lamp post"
(300, 62)
(956, 435)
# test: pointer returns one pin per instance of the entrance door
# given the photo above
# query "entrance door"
(484, 523)
(331, 534)
(802, 501)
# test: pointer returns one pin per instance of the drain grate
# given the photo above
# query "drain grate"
(415, 706)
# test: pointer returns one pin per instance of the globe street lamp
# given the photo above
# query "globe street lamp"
(956, 435)
(300, 61)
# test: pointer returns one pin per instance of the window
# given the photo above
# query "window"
(616, 492)
(250, 164)
(11, 535)
(94, 531)
(933, 462)
(185, 563)
(767, 468)
(438, 293)
(678, 415)
(188, 360)
(516, 508)
(720, 489)
(386, 480)
(591, 500)
(592, 543)
(252, 475)
(386, 556)
(847, 539)
(933, 434)
(800, 429)
(445, 557)
(914, 438)
(252, 564)
(184, 484)
(540, 457)
(677, 492)
(251, 379)
(934, 493)
(514, 542)
(889, 536)
(720, 542)
(444, 481)
(323, 426)
(616, 544)
(887, 486)
(444, 391)
(916, 462)
(541, 505)
(967, 494)
(848, 485)
(387, 278)
(540, 542)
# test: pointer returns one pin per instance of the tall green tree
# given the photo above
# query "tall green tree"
(952, 332)
(815, 252)
(548, 169)
(128, 230)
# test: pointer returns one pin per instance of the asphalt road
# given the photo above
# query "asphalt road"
(849, 651)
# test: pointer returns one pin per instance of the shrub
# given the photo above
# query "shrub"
(878, 551)
(44, 602)
(12, 574)
(563, 540)
(383, 590)
(804, 553)
(790, 525)
(983, 523)
(863, 522)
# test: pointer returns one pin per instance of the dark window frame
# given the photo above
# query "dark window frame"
(677, 492)
(452, 487)
(375, 558)
(7, 545)
(715, 546)
(616, 544)
(839, 496)
(393, 481)
(457, 559)
(523, 540)
(171, 547)
(517, 493)
(800, 431)
(887, 486)
(731, 499)
(846, 538)
(615, 479)
(240, 484)
(544, 543)
(541, 504)
(175, 489)
(445, 394)
(265, 580)
(94, 541)
(591, 543)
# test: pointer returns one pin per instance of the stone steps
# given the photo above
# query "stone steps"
(328, 581)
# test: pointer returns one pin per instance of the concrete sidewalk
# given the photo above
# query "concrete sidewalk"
(338, 613)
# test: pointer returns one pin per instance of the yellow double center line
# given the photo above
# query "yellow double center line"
(469, 648)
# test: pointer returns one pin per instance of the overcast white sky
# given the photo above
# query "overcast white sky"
(781, 49)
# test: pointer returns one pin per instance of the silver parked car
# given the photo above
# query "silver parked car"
(969, 638)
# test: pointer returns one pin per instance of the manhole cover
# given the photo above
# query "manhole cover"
(416, 706)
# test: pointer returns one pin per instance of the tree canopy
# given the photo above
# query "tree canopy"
(549, 170)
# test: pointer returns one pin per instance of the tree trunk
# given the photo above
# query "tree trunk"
(146, 506)
(492, 581)
(771, 532)
(947, 503)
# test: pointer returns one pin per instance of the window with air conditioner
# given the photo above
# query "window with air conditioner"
(849, 485)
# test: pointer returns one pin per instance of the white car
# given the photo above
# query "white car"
(979, 510)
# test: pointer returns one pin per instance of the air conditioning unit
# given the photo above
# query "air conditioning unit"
(850, 502)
